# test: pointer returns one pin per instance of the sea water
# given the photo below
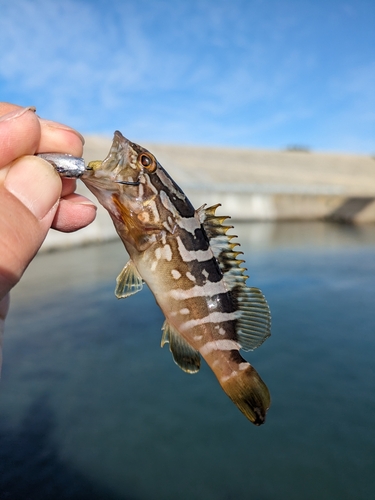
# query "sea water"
(92, 408)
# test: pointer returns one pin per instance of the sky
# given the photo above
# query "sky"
(242, 73)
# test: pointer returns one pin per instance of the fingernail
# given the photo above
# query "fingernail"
(16, 113)
(61, 126)
(78, 199)
(35, 183)
(85, 201)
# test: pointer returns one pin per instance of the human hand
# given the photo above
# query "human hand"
(33, 197)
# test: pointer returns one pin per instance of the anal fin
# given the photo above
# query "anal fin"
(128, 282)
(185, 356)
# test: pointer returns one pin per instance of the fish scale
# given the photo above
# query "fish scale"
(192, 267)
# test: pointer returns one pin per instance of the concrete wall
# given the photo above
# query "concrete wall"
(251, 185)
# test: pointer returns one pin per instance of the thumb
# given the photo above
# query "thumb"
(29, 195)
(4, 306)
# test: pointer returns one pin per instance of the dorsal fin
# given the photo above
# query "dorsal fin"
(254, 324)
(222, 246)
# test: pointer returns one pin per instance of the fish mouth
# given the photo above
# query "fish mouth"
(95, 165)
(129, 183)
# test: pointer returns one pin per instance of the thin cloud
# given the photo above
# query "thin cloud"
(246, 73)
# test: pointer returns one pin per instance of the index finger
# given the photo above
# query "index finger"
(22, 132)
(59, 138)
(19, 132)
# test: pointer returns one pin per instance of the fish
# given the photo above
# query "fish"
(193, 268)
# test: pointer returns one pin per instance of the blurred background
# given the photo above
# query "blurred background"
(269, 108)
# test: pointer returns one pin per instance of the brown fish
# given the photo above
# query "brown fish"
(192, 267)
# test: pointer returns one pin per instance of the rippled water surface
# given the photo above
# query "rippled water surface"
(92, 408)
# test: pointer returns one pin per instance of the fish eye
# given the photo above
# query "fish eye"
(148, 162)
(145, 160)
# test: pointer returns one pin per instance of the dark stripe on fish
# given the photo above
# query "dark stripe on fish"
(224, 302)
(236, 356)
(196, 241)
(183, 206)
(205, 271)
(230, 329)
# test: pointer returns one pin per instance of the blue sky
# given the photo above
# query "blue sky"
(249, 73)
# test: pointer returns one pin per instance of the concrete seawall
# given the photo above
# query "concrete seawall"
(251, 185)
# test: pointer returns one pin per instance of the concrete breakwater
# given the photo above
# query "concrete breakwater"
(251, 185)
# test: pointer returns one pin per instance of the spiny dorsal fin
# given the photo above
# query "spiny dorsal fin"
(254, 324)
(128, 282)
(222, 246)
(185, 356)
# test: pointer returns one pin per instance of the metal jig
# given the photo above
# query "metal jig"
(65, 165)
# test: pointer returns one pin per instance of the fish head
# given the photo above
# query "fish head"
(121, 178)
(132, 185)
(124, 165)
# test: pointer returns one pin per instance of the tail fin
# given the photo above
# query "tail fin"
(249, 393)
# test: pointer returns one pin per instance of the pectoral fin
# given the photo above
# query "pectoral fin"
(185, 356)
(128, 282)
